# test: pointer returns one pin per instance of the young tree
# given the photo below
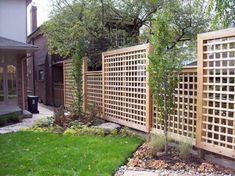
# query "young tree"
(175, 29)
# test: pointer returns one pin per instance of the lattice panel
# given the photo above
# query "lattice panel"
(218, 92)
(69, 93)
(125, 86)
(94, 88)
(183, 123)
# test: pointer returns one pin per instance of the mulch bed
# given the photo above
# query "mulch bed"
(143, 158)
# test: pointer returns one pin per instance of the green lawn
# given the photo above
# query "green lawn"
(29, 153)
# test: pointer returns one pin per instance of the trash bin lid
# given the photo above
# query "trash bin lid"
(32, 96)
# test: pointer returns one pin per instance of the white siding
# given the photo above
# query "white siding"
(13, 19)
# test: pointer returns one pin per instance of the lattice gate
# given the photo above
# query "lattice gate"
(216, 83)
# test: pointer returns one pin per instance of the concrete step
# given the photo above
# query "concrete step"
(27, 114)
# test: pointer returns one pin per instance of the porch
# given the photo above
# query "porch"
(13, 56)
(7, 109)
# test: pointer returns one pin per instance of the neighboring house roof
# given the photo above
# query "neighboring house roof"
(34, 34)
(194, 63)
(8, 44)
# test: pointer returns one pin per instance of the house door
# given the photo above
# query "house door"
(8, 84)
(2, 88)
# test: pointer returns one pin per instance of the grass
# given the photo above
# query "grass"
(30, 153)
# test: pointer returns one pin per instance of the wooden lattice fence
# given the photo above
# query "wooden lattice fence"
(69, 92)
(93, 84)
(216, 94)
(125, 89)
(182, 124)
(204, 99)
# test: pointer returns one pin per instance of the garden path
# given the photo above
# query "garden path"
(129, 171)
(44, 111)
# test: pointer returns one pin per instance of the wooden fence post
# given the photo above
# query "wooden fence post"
(103, 65)
(149, 97)
(84, 81)
(199, 90)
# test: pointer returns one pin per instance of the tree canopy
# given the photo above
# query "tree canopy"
(223, 12)
(86, 22)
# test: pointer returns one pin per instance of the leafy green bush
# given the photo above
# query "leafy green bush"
(76, 124)
(70, 131)
(39, 129)
(126, 132)
(9, 118)
(184, 149)
(44, 123)
(156, 144)
(84, 131)
(114, 132)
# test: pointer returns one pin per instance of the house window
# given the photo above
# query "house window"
(120, 38)
(40, 75)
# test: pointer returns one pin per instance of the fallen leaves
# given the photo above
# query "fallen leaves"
(143, 158)
(206, 167)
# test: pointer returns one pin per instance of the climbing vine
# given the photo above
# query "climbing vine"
(77, 75)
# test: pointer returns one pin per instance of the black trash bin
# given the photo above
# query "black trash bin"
(33, 104)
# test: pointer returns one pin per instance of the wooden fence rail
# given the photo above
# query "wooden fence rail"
(204, 99)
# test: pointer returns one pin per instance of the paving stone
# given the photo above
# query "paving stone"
(107, 127)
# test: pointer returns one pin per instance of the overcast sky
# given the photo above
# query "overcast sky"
(43, 11)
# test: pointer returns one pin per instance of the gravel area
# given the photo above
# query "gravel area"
(134, 171)
(44, 111)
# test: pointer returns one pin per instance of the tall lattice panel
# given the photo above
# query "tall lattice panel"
(182, 124)
(69, 93)
(217, 92)
(94, 89)
(125, 88)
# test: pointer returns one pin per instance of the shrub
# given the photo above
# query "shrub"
(84, 131)
(9, 118)
(114, 132)
(76, 124)
(39, 129)
(184, 149)
(126, 132)
(94, 111)
(70, 131)
(45, 123)
(156, 144)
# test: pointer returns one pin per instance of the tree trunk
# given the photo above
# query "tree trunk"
(165, 124)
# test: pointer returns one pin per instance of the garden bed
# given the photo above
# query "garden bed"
(143, 158)
(10, 118)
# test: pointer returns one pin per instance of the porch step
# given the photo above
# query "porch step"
(27, 114)
(8, 109)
